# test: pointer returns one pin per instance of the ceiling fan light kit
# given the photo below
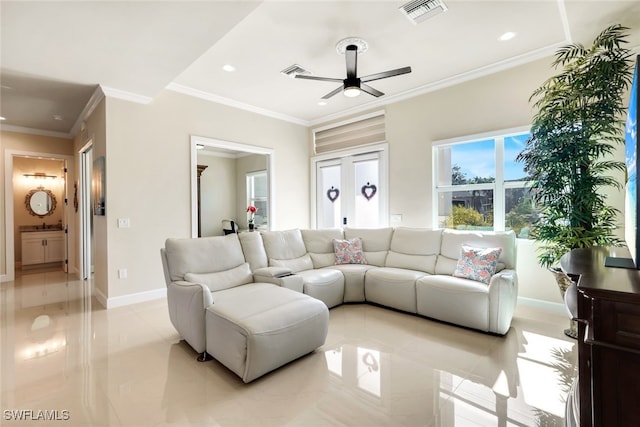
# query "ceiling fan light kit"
(352, 85)
(351, 92)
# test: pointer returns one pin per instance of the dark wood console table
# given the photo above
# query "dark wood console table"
(608, 338)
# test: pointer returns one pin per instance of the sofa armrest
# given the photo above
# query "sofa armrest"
(503, 296)
(280, 276)
(187, 304)
(271, 272)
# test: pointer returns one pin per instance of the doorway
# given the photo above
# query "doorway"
(36, 198)
(223, 184)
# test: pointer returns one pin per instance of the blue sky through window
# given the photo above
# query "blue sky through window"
(513, 145)
(477, 159)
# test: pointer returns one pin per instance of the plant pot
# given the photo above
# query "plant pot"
(567, 281)
(251, 226)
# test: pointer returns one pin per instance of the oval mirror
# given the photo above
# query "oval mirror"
(40, 202)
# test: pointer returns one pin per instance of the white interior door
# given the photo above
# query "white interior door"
(351, 191)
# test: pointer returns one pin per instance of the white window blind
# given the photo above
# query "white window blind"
(364, 130)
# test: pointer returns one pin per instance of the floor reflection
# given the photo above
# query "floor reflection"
(60, 350)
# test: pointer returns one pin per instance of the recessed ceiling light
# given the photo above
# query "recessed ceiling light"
(3, 118)
(228, 68)
(507, 36)
(58, 117)
(322, 103)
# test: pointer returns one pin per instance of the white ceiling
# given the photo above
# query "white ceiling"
(54, 54)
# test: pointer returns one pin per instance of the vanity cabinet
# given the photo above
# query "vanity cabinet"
(41, 247)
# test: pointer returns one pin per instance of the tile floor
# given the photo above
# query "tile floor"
(65, 357)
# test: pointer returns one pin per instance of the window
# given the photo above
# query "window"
(257, 192)
(479, 185)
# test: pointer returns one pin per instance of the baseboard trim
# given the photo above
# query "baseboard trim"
(102, 299)
(135, 298)
(555, 307)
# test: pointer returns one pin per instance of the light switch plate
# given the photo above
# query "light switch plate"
(124, 223)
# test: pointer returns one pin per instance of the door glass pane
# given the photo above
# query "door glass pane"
(466, 210)
(330, 197)
(367, 196)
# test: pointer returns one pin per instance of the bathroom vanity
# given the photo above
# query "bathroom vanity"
(42, 246)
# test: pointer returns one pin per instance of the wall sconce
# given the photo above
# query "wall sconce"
(39, 175)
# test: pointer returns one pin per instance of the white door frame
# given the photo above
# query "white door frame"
(382, 149)
(84, 211)
(234, 146)
(9, 155)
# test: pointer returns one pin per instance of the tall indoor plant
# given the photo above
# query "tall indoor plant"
(578, 124)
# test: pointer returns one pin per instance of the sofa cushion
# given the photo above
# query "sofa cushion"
(375, 242)
(392, 287)
(319, 244)
(414, 249)
(185, 255)
(324, 284)
(241, 275)
(283, 245)
(354, 275)
(349, 251)
(477, 264)
(253, 250)
(451, 299)
(257, 328)
(295, 265)
(452, 241)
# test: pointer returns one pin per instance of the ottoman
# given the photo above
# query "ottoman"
(255, 328)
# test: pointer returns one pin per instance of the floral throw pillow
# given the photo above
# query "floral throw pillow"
(349, 251)
(477, 264)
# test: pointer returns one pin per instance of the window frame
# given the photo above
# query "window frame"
(499, 186)
(250, 178)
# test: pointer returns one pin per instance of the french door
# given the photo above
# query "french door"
(351, 191)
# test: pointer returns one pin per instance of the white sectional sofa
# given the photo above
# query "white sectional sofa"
(220, 287)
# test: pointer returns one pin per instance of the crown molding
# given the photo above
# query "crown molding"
(236, 104)
(124, 95)
(96, 97)
(31, 131)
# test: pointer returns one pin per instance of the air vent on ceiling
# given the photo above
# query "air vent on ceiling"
(293, 70)
(420, 10)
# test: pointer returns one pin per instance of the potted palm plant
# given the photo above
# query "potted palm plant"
(568, 158)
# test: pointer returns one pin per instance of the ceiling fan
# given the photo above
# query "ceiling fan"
(353, 85)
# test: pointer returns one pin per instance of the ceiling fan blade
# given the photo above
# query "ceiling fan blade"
(385, 74)
(323, 79)
(351, 58)
(371, 91)
(333, 92)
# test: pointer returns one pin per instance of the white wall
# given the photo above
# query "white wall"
(218, 193)
(148, 176)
